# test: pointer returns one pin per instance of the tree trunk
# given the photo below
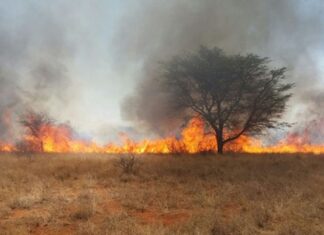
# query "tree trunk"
(220, 144)
(41, 146)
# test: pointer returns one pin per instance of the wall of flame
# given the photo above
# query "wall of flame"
(194, 139)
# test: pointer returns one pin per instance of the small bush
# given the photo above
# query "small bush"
(262, 217)
(127, 164)
(84, 212)
(86, 207)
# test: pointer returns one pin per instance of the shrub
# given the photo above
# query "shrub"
(127, 164)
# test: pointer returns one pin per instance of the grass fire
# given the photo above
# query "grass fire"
(45, 136)
(161, 117)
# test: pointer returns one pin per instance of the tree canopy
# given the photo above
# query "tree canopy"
(33, 124)
(234, 94)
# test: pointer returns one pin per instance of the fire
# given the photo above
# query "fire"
(4, 147)
(195, 138)
(58, 139)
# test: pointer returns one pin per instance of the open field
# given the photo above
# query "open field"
(98, 194)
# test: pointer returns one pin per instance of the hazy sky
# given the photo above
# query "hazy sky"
(79, 59)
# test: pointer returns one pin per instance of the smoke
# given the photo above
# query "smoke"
(289, 32)
(62, 59)
(33, 53)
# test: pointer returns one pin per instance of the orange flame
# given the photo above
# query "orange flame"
(194, 139)
(4, 147)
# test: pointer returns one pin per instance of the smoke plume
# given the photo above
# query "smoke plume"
(33, 51)
(77, 61)
(289, 32)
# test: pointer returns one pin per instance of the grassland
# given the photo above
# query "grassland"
(97, 194)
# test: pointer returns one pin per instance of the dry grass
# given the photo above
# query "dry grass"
(93, 194)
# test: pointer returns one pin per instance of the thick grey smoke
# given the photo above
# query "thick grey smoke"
(33, 51)
(290, 32)
(76, 61)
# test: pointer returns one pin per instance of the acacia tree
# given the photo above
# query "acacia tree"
(33, 123)
(234, 94)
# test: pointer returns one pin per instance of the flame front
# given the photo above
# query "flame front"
(194, 139)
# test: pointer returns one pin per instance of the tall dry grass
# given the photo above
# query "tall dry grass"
(92, 194)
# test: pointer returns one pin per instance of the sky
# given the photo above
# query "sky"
(80, 60)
